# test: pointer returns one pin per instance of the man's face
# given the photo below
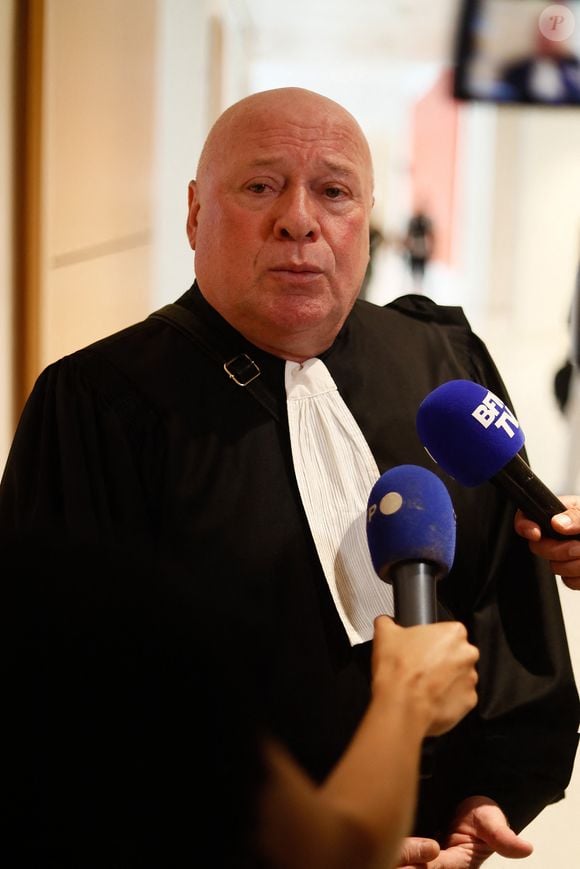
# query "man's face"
(279, 220)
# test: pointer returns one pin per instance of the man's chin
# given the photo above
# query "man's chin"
(300, 316)
(297, 334)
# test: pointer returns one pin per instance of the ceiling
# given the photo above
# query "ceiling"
(352, 33)
(375, 57)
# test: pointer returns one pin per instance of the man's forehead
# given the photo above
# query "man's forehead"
(332, 149)
(288, 140)
(318, 161)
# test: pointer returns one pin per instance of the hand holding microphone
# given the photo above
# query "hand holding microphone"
(564, 559)
(470, 433)
(433, 666)
(411, 536)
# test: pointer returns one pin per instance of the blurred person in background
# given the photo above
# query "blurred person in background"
(418, 246)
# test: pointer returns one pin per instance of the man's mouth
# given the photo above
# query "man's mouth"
(298, 268)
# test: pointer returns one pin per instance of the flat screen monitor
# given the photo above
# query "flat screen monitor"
(518, 51)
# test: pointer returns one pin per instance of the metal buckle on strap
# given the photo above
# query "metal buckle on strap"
(245, 371)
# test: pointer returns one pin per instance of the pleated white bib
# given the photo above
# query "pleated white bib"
(336, 471)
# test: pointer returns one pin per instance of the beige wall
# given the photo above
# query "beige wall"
(535, 251)
(202, 49)
(6, 239)
(97, 169)
(130, 92)
(534, 257)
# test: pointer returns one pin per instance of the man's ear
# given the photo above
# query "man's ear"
(193, 208)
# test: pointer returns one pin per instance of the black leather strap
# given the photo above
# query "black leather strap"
(239, 367)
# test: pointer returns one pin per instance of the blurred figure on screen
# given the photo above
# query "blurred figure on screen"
(551, 74)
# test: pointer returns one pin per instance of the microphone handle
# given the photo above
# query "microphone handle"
(531, 495)
(414, 585)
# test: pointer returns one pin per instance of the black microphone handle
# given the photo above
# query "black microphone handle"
(414, 585)
(520, 483)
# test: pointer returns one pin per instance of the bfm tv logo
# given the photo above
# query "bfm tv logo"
(492, 410)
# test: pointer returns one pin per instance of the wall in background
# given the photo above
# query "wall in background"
(434, 124)
(6, 215)
(535, 250)
(97, 215)
(202, 62)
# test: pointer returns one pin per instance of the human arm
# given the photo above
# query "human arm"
(563, 555)
(424, 681)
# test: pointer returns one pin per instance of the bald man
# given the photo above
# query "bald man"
(244, 424)
(285, 180)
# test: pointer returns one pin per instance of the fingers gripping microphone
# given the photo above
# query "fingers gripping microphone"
(411, 537)
(475, 437)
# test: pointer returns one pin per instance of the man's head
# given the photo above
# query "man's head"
(279, 219)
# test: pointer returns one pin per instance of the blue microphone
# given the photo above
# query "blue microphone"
(411, 537)
(474, 436)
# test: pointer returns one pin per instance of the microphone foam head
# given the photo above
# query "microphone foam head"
(410, 517)
(468, 431)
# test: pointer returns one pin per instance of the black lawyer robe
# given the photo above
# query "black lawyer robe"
(144, 441)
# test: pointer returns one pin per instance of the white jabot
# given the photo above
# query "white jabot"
(335, 471)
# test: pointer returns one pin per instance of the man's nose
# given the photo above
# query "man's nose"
(297, 216)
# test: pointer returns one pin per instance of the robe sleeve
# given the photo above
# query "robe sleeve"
(85, 460)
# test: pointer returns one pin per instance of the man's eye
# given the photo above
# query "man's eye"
(333, 192)
(257, 187)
